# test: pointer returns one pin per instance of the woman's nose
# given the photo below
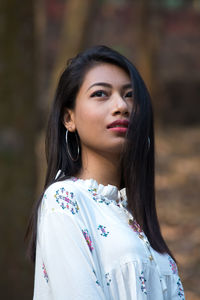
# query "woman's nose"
(120, 105)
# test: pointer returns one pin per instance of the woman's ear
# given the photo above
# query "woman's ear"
(68, 120)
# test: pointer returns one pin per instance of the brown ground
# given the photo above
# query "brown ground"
(178, 190)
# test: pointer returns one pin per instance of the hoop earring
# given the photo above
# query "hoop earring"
(74, 159)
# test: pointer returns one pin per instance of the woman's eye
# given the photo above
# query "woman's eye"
(99, 94)
(129, 94)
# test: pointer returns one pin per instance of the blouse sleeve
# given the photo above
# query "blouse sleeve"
(67, 258)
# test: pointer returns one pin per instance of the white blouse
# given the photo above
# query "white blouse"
(89, 247)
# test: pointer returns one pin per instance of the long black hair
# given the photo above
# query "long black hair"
(137, 158)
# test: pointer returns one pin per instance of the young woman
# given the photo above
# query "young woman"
(95, 233)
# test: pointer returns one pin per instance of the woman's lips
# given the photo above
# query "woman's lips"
(119, 129)
(120, 125)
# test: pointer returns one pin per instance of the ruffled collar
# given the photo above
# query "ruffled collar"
(111, 192)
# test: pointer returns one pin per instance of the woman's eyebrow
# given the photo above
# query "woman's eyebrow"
(125, 86)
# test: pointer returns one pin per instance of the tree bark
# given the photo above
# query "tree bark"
(78, 18)
(17, 143)
(149, 36)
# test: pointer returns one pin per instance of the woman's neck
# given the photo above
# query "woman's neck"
(105, 169)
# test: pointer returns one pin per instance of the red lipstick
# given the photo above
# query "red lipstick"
(119, 126)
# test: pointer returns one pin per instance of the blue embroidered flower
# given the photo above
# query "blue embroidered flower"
(173, 265)
(98, 198)
(103, 231)
(143, 280)
(180, 289)
(97, 281)
(108, 279)
(66, 200)
(94, 193)
(45, 273)
(88, 239)
(74, 178)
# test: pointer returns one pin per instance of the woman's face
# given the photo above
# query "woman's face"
(105, 96)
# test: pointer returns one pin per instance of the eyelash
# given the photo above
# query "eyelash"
(99, 91)
(131, 93)
(95, 94)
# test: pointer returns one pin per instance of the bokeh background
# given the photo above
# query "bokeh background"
(162, 38)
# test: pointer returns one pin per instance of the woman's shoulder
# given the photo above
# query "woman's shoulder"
(61, 196)
(66, 184)
(167, 264)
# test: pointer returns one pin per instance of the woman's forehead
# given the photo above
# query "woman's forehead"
(106, 72)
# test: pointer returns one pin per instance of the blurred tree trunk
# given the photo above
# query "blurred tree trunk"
(78, 18)
(77, 21)
(18, 121)
(146, 43)
(149, 40)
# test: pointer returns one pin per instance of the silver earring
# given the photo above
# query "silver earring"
(149, 143)
(74, 159)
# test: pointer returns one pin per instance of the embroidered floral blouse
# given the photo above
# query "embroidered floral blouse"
(89, 247)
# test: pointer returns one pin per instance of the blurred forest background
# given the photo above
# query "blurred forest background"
(162, 38)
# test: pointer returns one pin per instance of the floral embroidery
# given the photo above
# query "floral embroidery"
(97, 281)
(88, 239)
(45, 273)
(94, 193)
(143, 280)
(108, 279)
(98, 198)
(173, 265)
(135, 226)
(180, 289)
(103, 231)
(74, 179)
(66, 200)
